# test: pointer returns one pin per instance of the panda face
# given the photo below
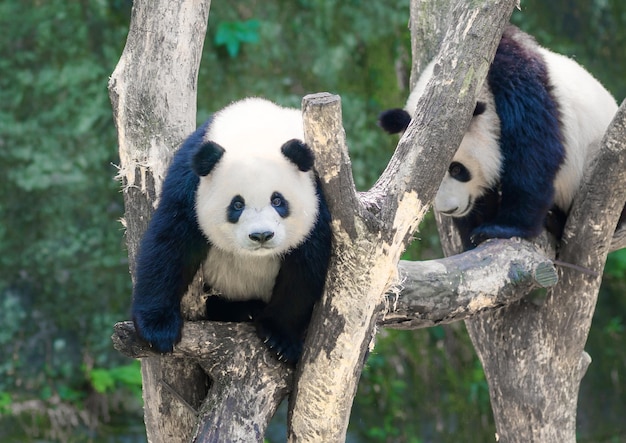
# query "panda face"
(256, 206)
(476, 165)
(257, 193)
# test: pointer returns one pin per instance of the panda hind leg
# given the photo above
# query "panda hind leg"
(286, 344)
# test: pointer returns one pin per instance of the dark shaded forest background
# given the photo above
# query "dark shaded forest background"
(64, 277)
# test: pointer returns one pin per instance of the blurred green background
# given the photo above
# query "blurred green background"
(63, 269)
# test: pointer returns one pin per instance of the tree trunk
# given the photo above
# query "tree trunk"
(372, 229)
(153, 93)
(532, 353)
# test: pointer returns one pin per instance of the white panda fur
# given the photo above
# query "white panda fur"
(586, 108)
(238, 266)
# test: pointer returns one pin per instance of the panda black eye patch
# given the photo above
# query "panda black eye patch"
(235, 209)
(459, 172)
(280, 204)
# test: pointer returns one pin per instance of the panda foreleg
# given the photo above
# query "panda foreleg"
(522, 211)
(170, 254)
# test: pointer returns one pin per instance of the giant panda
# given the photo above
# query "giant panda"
(241, 200)
(538, 122)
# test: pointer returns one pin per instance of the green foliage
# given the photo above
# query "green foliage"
(5, 402)
(616, 264)
(233, 34)
(63, 269)
(423, 384)
(106, 380)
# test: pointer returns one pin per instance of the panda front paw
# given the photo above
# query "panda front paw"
(160, 330)
(489, 230)
(286, 345)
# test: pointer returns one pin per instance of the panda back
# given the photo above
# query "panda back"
(586, 108)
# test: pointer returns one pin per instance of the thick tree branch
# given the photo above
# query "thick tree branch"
(452, 289)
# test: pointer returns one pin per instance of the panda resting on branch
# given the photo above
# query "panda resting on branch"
(538, 123)
(241, 201)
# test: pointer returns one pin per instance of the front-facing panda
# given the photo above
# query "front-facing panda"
(241, 200)
(539, 121)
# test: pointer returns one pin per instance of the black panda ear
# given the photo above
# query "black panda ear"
(394, 120)
(299, 154)
(206, 157)
(480, 108)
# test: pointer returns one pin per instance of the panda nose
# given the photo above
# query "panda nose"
(261, 237)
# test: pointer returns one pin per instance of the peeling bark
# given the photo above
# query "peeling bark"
(153, 94)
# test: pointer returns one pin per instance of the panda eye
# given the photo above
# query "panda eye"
(454, 169)
(237, 205)
(280, 204)
(277, 201)
(235, 208)
(459, 172)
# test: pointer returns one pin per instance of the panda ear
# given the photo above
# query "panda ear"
(394, 120)
(299, 154)
(206, 157)
(480, 108)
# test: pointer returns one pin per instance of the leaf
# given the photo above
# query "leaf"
(101, 380)
(232, 34)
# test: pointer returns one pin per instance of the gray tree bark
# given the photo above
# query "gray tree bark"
(153, 93)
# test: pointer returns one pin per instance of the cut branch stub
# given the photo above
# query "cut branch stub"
(323, 131)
